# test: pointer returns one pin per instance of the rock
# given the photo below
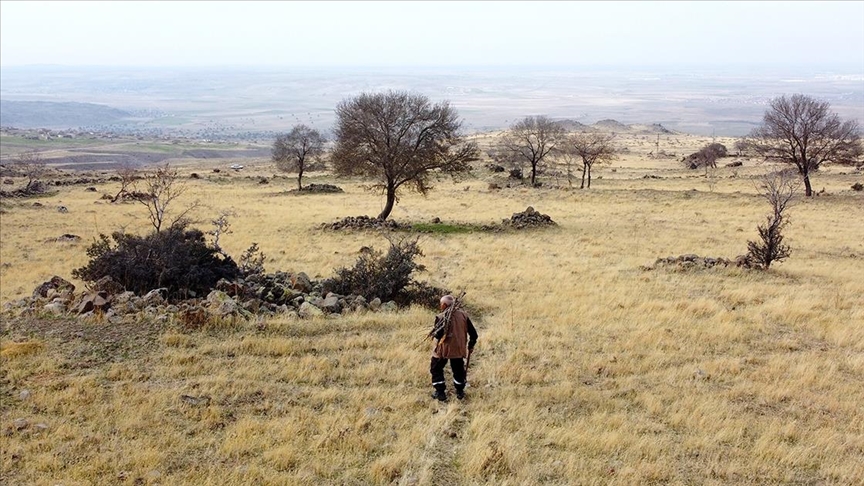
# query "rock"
(40, 427)
(155, 297)
(308, 310)
(108, 285)
(301, 282)
(528, 218)
(97, 301)
(219, 303)
(375, 304)
(24, 395)
(20, 424)
(362, 223)
(331, 304)
(55, 308)
(389, 306)
(55, 283)
(67, 238)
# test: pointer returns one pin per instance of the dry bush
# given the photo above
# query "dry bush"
(779, 189)
(177, 259)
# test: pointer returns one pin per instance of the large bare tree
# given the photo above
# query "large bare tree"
(297, 150)
(532, 140)
(803, 131)
(400, 139)
(592, 148)
(32, 166)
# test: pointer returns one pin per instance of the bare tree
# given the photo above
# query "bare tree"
(741, 146)
(532, 140)
(31, 165)
(297, 150)
(803, 131)
(399, 139)
(161, 187)
(592, 148)
(127, 175)
(779, 189)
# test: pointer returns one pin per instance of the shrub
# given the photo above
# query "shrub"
(388, 277)
(779, 189)
(857, 186)
(177, 259)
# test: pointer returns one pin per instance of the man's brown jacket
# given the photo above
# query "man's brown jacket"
(456, 343)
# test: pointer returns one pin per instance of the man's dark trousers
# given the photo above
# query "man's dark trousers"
(437, 370)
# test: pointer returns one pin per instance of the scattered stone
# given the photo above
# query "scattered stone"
(66, 238)
(8, 181)
(24, 395)
(20, 424)
(55, 308)
(389, 306)
(691, 261)
(154, 297)
(94, 302)
(40, 427)
(90, 189)
(62, 209)
(331, 304)
(375, 304)
(319, 189)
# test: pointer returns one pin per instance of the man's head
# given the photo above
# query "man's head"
(447, 301)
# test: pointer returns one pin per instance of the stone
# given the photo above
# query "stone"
(55, 308)
(155, 297)
(308, 310)
(97, 301)
(301, 282)
(389, 306)
(107, 284)
(24, 395)
(220, 303)
(55, 283)
(20, 424)
(40, 427)
(375, 304)
(331, 304)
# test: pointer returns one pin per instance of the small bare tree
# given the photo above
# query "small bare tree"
(31, 165)
(399, 139)
(592, 148)
(531, 140)
(128, 175)
(297, 151)
(780, 190)
(802, 131)
(161, 187)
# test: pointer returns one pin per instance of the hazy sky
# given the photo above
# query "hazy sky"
(431, 33)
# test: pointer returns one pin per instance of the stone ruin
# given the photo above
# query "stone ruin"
(293, 295)
(362, 223)
(692, 262)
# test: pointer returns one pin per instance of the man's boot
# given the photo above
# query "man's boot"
(460, 393)
(440, 393)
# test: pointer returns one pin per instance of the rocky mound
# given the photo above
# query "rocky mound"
(690, 261)
(291, 294)
(362, 223)
(530, 218)
(318, 189)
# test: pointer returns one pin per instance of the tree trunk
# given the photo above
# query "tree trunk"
(299, 180)
(589, 177)
(808, 191)
(533, 173)
(391, 200)
(584, 172)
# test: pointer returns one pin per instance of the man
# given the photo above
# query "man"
(452, 344)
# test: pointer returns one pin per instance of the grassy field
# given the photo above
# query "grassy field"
(589, 368)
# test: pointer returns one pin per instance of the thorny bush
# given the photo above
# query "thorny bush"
(177, 259)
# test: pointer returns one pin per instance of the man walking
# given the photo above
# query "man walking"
(455, 339)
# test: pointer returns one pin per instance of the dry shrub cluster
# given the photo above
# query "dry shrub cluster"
(386, 276)
(177, 259)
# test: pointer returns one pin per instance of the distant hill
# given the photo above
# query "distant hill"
(50, 114)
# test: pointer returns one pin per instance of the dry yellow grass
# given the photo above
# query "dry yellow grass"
(588, 370)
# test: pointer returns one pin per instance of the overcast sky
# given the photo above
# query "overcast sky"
(431, 33)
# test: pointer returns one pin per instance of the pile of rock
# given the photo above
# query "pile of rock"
(291, 294)
(320, 188)
(691, 261)
(362, 223)
(528, 219)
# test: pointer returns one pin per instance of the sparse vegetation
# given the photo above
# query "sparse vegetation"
(779, 190)
(298, 151)
(532, 140)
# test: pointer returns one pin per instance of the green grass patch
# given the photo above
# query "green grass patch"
(444, 228)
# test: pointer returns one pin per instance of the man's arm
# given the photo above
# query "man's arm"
(440, 333)
(472, 334)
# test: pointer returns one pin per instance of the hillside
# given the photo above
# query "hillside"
(49, 114)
